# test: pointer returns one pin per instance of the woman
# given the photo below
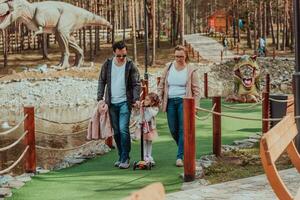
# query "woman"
(178, 80)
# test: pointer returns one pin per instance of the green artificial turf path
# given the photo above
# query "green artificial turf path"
(97, 179)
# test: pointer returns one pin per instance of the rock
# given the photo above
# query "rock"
(61, 166)
(199, 172)
(14, 184)
(5, 192)
(226, 148)
(194, 184)
(24, 178)
(206, 161)
(73, 161)
(4, 179)
(5, 125)
(257, 137)
(40, 170)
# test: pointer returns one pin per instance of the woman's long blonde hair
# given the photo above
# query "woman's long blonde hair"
(185, 50)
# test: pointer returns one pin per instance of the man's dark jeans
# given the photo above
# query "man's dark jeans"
(175, 122)
(120, 116)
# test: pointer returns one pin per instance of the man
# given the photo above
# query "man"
(120, 81)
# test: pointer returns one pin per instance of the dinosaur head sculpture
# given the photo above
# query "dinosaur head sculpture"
(10, 11)
(246, 71)
(246, 80)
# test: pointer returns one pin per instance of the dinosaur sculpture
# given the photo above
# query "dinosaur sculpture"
(51, 17)
(246, 80)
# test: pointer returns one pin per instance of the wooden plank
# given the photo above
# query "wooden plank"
(290, 105)
(281, 144)
(276, 133)
(294, 155)
(297, 197)
(275, 180)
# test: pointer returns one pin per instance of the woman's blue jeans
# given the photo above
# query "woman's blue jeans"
(120, 116)
(175, 122)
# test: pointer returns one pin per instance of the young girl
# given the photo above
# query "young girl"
(149, 110)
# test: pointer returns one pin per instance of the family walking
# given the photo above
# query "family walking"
(119, 87)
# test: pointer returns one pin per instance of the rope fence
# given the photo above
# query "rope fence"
(56, 122)
(238, 117)
(207, 116)
(14, 128)
(244, 108)
(14, 144)
(281, 101)
(16, 162)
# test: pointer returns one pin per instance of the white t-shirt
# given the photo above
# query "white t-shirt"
(118, 88)
(177, 82)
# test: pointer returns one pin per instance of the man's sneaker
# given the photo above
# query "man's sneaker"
(125, 165)
(117, 164)
(179, 163)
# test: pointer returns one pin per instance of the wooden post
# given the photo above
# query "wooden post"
(158, 80)
(221, 55)
(267, 89)
(30, 161)
(205, 85)
(198, 56)
(109, 142)
(274, 53)
(144, 89)
(193, 52)
(146, 84)
(237, 49)
(265, 112)
(217, 140)
(189, 112)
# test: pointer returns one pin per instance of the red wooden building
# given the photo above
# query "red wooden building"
(217, 21)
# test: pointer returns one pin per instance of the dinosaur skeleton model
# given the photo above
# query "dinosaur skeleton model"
(246, 80)
(51, 17)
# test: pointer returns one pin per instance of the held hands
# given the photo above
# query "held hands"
(137, 104)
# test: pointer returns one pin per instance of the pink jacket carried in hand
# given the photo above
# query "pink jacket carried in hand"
(99, 126)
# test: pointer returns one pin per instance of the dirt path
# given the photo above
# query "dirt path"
(208, 48)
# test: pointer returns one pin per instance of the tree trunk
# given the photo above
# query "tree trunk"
(249, 44)
(173, 22)
(238, 18)
(292, 26)
(259, 31)
(271, 21)
(234, 23)
(255, 30)
(182, 22)
(264, 22)
(123, 19)
(113, 7)
(178, 17)
(284, 27)
(134, 31)
(153, 32)
(278, 25)
(158, 24)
